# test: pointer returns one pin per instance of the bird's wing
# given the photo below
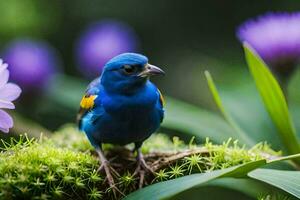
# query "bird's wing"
(88, 100)
(162, 103)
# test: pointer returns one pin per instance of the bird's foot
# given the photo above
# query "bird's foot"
(108, 171)
(106, 167)
(142, 167)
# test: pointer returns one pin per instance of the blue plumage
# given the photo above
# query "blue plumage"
(127, 107)
(122, 106)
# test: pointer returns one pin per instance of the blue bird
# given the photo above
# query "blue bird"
(122, 106)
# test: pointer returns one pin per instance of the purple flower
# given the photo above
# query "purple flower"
(8, 93)
(31, 63)
(102, 41)
(276, 38)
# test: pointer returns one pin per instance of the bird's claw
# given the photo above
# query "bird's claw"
(142, 167)
(105, 166)
(107, 169)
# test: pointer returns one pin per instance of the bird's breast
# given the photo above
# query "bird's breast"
(128, 118)
(139, 102)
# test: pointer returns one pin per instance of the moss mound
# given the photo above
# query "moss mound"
(65, 165)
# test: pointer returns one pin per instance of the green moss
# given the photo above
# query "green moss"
(65, 166)
(36, 169)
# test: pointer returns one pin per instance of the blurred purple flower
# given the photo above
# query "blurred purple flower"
(276, 38)
(100, 42)
(31, 63)
(8, 93)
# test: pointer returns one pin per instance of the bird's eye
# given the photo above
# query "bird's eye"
(129, 69)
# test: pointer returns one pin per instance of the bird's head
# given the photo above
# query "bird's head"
(127, 72)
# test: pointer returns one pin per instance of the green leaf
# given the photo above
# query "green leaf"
(195, 121)
(242, 136)
(250, 187)
(173, 187)
(216, 189)
(273, 99)
(288, 181)
(290, 157)
(170, 188)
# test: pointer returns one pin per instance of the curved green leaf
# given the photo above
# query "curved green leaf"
(288, 181)
(249, 187)
(273, 99)
(170, 188)
(284, 158)
(217, 191)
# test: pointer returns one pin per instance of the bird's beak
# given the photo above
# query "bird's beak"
(151, 70)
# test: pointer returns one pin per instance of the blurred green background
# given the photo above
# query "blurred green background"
(182, 37)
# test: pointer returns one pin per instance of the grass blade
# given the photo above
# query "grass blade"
(242, 136)
(273, 99)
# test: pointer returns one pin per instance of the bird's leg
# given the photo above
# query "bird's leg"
(107, 168)
(142, 163)
(142, 166)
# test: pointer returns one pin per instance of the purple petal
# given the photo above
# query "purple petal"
(5, 130)
(4, 75)
(3, 65)
(6, 121)
(10, 92)
(6, 104)
(275, 36)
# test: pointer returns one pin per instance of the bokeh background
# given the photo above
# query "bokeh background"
(67, 42)
(54, 48)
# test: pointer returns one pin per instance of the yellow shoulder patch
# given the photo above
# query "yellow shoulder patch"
(161, 98)
(88, 101)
